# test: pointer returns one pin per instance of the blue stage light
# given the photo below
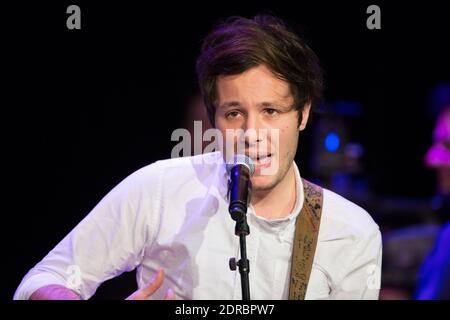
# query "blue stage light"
(332, 142)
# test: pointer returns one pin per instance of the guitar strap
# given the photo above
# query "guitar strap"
(305, 240)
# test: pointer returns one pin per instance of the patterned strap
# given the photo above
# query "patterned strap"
(305, 240)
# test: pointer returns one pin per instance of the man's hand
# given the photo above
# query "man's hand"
(154, 284)
(58, 292)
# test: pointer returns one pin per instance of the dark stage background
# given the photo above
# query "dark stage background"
(82, 109)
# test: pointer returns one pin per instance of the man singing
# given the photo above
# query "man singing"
(170, 219)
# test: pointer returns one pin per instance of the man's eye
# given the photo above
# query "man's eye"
(232, 114)
(271, 112)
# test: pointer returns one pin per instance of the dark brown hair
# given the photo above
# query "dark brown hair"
(239, 44)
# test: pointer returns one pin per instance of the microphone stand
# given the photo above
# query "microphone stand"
(238, 211)
(242, 230)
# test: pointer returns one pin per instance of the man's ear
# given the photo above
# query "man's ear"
(305, 115)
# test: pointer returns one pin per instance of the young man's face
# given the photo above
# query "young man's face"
(256, 99)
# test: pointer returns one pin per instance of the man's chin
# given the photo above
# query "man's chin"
(263, 182)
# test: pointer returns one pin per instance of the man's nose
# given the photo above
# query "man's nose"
(252, 130)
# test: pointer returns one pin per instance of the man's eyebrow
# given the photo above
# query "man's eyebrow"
(266, 104)
(263, 104)
(230, 104)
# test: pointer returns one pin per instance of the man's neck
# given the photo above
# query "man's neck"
(279, 201)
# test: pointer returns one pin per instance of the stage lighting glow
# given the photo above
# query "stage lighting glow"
(332, 142)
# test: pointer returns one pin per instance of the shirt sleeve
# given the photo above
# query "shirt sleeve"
(108, 241)
(361, 278)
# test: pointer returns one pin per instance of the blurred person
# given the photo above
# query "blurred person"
(406, 248)
(438, 156)
(434, 278)
(196, 121)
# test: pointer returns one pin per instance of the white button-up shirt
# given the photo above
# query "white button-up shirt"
(173, 214)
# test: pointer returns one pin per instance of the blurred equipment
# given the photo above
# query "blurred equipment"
(337, 157)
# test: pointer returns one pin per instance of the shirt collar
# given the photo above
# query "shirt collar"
(272, 223)
(282, 223)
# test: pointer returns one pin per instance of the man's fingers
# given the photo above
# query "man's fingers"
(150, 288)
(170, 295)
(154, 284)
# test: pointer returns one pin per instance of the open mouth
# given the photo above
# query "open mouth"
(264, 159)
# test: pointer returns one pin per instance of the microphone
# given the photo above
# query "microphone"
(239, 186)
